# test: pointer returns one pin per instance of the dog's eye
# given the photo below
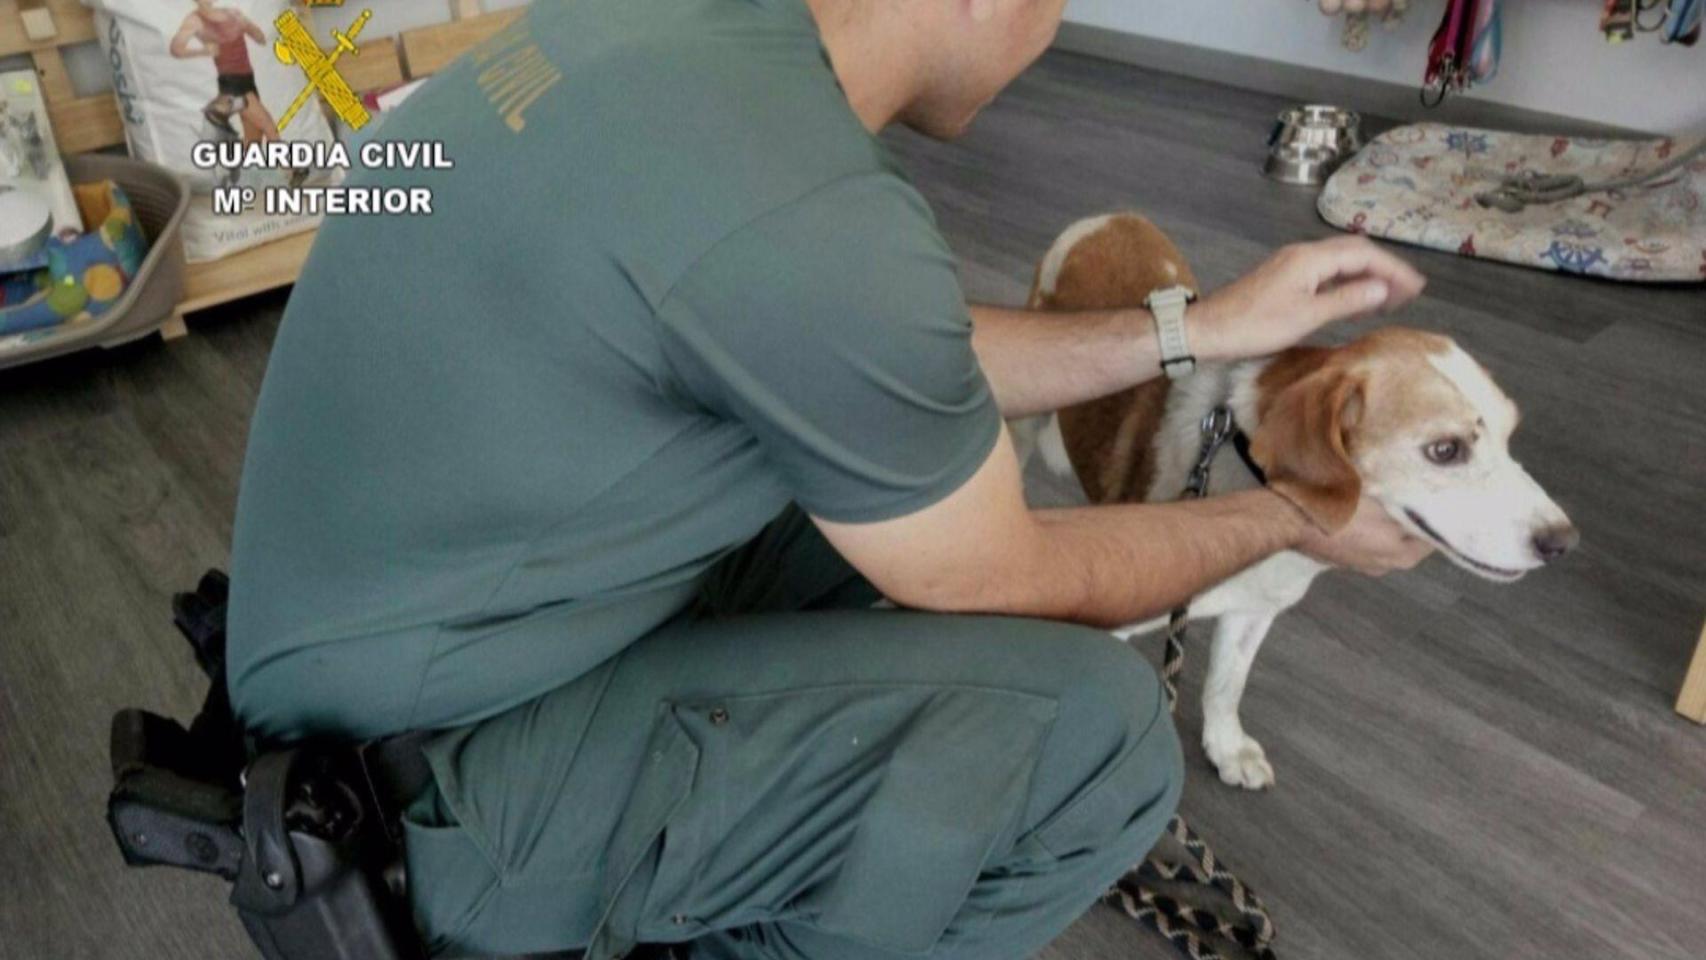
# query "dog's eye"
(1446, 452)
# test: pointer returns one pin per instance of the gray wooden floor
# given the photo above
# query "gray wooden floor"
(1464, 770)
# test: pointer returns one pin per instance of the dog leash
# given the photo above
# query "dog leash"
(1135, 894)
(1464, 50)
(1517, 191)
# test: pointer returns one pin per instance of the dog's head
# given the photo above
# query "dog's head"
(1410, 419)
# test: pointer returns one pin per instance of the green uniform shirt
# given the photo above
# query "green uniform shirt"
(670, 285)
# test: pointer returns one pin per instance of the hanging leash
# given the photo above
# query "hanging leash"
(1135, 894)
(1517, 191)
(1445, 55)
(1678, 21)
(1617, 20)
(1465, 49)
(1684, 18)
(1649, 26)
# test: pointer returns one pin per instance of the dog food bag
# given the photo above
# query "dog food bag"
(193, 71)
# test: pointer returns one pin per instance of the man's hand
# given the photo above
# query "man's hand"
(1297, 290)
(1372, 543)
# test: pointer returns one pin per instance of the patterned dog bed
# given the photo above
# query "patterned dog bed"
(1417, 184)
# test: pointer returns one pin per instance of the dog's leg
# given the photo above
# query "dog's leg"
(1052, 445)
(1240, 760)
(1027, 433)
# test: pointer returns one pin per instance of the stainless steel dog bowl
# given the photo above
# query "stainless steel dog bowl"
(1308, 142)
(1319, 125)
(1305, 166)
(25, 222)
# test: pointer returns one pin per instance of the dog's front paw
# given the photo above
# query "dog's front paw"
(1240, 760)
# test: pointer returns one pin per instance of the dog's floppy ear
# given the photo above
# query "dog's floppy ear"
(1300, 445)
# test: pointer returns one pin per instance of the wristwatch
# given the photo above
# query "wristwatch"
(1167, 306)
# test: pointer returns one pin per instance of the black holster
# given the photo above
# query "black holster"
(318, 868)
(306, 834)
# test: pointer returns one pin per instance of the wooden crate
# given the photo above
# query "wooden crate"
(43, 28)
(1691, 702)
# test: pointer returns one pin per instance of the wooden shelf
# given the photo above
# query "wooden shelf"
(255, 270)
(1691, 701)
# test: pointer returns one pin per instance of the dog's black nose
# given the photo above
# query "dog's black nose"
(1553, 542)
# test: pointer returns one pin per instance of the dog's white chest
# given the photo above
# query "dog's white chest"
(1264, 589)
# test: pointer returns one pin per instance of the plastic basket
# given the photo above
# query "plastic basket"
(159, 199)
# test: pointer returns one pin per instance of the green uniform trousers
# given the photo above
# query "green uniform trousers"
(783, 772)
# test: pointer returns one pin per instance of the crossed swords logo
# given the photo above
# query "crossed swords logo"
(296, 45)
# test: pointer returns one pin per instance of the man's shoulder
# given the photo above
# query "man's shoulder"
(632, 149)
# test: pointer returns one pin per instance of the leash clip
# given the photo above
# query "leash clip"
(1217, 427)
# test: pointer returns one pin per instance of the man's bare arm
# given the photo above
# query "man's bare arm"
(982, 550)
(1037, 362)
(189, 30)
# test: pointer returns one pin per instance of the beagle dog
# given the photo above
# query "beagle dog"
(1400, 415)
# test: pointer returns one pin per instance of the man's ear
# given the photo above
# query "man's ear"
(1300, 445)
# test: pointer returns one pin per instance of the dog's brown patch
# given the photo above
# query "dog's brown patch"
(1315, 407)
(1301, 443)
(1110, 439)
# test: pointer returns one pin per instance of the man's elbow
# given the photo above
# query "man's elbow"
(1055, 593)
(992, 588)
(940, 594)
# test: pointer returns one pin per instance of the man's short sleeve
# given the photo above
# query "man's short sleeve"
(835, 329)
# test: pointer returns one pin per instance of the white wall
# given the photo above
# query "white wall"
(1555, 59)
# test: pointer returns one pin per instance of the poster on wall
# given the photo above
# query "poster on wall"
(187, 72)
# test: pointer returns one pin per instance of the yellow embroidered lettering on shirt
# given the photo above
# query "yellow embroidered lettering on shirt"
(514, 72)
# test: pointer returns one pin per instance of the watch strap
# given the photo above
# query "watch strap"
(1167, 306)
